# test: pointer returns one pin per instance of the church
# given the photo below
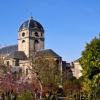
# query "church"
(31, 42)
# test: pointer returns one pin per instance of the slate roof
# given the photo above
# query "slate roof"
(47, 52)
(17, 55)
(8, 49)
(31, 24)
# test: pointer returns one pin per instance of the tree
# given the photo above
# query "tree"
(90, 62)
(3, 67)
(10, 86)
(1, 60)
(46, 68)
(46, 73)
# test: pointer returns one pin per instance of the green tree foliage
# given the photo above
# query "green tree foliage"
(47, 69)
(90, 62)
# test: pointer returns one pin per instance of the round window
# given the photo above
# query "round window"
(23, 34)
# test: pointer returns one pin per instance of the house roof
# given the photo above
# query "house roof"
(47, 53)
(17, 55)
(8, 49)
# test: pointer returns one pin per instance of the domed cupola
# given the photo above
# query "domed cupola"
(31, 24)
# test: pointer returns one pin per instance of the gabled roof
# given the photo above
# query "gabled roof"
(8, 49)
(47, 53)
(17, 55)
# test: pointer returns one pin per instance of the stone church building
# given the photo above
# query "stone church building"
(31, 41)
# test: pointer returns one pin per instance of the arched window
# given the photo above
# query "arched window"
(23, 41)
(36, 34)
(23, 34)
(36, 41)
(36, 44)
(7, 63)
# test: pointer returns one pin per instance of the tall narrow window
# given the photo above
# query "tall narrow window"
(26, 71)
(23, 45)
(7, 63)
(17, 62)
(36, 44)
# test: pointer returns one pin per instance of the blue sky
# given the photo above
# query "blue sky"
(68, 24)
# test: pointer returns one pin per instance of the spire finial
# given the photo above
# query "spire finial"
(30, 17)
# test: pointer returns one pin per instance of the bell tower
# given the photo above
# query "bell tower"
(30, 37)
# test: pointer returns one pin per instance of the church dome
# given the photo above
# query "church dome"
(31, 24)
